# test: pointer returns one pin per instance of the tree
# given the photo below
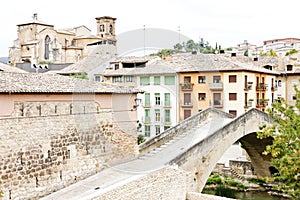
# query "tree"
(292, 51)
(178, 47)
(285, 149)
(81, 76)
(190, 46)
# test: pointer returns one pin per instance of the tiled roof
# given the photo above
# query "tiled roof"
(7, 68)
(53, 83)
(157, 67)
(96, 61)
(213, 62)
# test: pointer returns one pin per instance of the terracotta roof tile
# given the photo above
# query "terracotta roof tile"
(53, 83)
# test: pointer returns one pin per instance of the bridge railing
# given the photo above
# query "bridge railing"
(242, 119)
(172, 132)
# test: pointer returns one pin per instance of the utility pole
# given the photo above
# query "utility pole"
(178, 34)
(144, 40)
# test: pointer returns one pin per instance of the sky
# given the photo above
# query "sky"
(227, 23)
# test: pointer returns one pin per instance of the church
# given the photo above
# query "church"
(40, 44)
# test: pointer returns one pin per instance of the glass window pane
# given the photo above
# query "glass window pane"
(144, 81)
(169, 80)
(167, 99)
(156, 80)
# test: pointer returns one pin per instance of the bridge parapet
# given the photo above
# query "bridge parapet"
(180, 128)
(204, 155)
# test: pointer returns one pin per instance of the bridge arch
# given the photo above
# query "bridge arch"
(202, 157)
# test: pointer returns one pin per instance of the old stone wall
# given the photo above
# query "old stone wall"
(41, 154)
(169, 183)
(38, 108)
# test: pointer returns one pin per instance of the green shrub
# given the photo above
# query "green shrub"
(259, 181)
(140, 139)
(215, 179)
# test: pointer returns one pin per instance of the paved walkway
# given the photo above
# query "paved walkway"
(121, 174)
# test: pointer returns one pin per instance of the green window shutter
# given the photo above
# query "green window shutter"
(156, 80)
(169, 80)
(144, 81)
(147, 115)
(167, 116)
(167, 99)
(147, 99)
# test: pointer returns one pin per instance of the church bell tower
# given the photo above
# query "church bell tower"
(106, 27)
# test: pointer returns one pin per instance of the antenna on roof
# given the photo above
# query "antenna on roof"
(34, 17)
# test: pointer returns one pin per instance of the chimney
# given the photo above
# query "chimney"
(34, 17)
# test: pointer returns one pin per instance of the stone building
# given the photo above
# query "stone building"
(39, 43)
(56, 130)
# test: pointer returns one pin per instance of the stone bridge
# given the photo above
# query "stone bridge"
(192, 149)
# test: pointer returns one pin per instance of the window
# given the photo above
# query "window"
(167, 99)
(144, 81)
(294, 97)
(169, 80)
(233, 112)
(110, 29)
(147, 130)
(201, 79)
(232, 96)
(232, 78)
(187, 99)
(201, 96)
(187, 113)
(289, 68)
(157, 98)
(217, 99)
(217, 79)
(166, 127)
(47, 47)
(116, 66)
(147, 115)
(117, 79)
(279, 83)
(156, 80)
(157, 129)
(157, 115)
(167, 116)
(97, 78)
(128, 78)
(147, 99)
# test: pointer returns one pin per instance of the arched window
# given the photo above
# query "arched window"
(47, 48)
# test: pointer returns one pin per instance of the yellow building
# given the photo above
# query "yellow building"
(224, 83)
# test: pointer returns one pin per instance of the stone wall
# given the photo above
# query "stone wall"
(38, 108)
(39, 155)
(169, 183)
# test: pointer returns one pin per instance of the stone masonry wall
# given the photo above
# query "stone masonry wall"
(39, 155)
(169, 183)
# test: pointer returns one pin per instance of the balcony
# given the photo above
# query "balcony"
(261, 87)
(216, 86)
(248, 104)
(248, 86)
(262, 103)
(186, 86)
(217, 103)
(187, 104)
(274, 88)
